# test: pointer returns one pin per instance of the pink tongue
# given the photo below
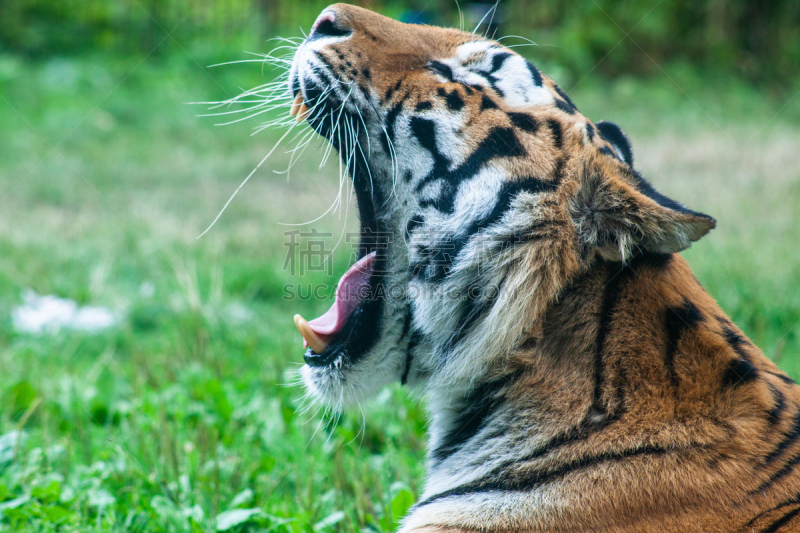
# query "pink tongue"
(352, 288)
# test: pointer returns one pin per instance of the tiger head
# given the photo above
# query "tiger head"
(481, 191)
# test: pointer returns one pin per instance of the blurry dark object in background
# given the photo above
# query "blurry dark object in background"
(486, 18)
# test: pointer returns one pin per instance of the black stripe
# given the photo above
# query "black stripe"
(415, 339)
(677, 322)
(567, 99)
(524, 122)
(572, 435)
(526, 481)
(531, 233)
(535, 74)
(476, 305)
(363, 91)
(391, 120)
(454, 100)
(406, 324)
(619, 276)
(564, 106)
(423, 106)
(613, 135)
(608, 151)
(735, 341)
(425, 132)
(789, 438)
(555, 129)
(415, 221)
(650, 260)
(477, 408)
(508, 191)
(781, 376)
(738, 372)
(497, 64)
(500, 142)
(774, 415)
(442, 254)
(442, 69)
(787, 469)
(558, 172)
(409, 356)
(739, 342)
(440, 257)
(324, 60)
(392, 90)
(791, 501)
(741, 370)
(498, 60)
(487, 103)
(785, 519)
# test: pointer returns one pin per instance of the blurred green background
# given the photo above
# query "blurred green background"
(185, 414)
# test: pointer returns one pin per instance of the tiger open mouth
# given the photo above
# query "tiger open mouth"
(351, 326)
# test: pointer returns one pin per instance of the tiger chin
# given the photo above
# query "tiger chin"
(517, 271)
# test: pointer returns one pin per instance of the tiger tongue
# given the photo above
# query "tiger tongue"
(349, 293)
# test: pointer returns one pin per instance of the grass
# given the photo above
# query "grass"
(179, 417)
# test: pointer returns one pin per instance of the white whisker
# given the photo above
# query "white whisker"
(490, 10)
(239, 188)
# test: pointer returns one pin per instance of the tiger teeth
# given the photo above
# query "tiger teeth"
(302, 112)
(298, 101)
(313, 340)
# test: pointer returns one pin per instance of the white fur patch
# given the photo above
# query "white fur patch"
(513, 81)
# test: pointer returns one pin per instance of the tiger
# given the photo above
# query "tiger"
(520, 274)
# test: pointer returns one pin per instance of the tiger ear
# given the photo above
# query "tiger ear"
(612, 134)
(617, 212)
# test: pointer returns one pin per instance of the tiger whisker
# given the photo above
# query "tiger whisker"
(491, 10)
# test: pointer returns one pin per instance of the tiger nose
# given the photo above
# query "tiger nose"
(328, 24)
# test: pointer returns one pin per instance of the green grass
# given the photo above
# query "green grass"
(181, 411)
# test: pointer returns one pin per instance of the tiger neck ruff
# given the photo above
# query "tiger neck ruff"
(519, 272)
